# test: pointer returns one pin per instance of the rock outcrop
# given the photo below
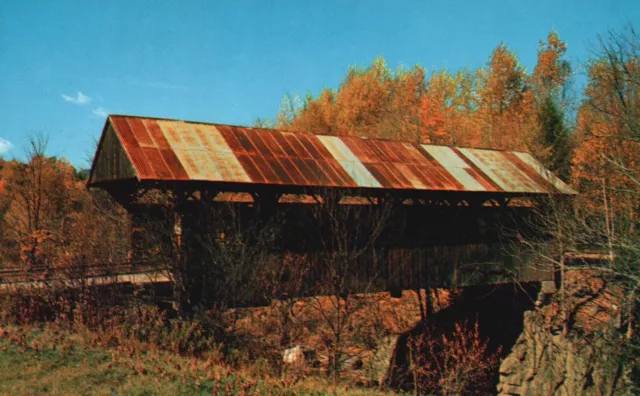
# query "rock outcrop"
(585, 359)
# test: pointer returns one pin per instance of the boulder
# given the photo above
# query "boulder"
(299, 355)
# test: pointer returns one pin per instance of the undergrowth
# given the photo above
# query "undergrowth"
(93, 341)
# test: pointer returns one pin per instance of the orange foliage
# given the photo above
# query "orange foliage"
(49, 219)
(493, 107)
(607, 159)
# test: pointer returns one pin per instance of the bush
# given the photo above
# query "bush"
(458, 363)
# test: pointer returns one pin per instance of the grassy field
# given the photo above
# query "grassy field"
(46, 360)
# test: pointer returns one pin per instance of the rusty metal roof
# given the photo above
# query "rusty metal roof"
(171, 150)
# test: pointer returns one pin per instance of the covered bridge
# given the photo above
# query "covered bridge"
(456, 203)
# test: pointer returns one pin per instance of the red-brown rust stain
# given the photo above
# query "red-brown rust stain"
(317, 172)
(379, 176)
(478, 174)
(435, 176)
(140, 132)
(413, 179)
(360, 150)
(245, 141)
(298, 148)
(286, 158)
(309, 145)
(484, 180)
(443, 179)
(325, 177)
(124, 130)
(270, 140)
(379, 153)
(294, 172)
(140, 163)
(229, 137)
(304, 168)
(324, 153)
(427, 176)
(156, 134)
(388, 151)
(414, 153)
(266, 170)
(291, 171)
(343, 176)
(397, 173)
(259, 140)
(390, 173)
(527, 170)
(156, 162)
(174, 165)
(250, 168)
(418, 174)
(286, 147)
(261, 148)
(280, 172)
(336, 178)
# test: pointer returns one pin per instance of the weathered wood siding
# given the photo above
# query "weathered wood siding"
(111, 162)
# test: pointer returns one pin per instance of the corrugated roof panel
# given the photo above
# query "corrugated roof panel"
(299, 150)
(382, 176)
(501, 171)
(414, 179)
(351, 164)
(174, 164)
(156, 163)
(230, 138)
(207, 169)
(251, 168)
(311, 178)
(455, 165)
(294, 172)
(387, 152)
(156, 134)
(273, 145)
(123, 130)
(140, 132)
(175, 150)
(308, 144)
(545, 173)
(139, 162)
(439, 174)
(171, 133)
(284, 144)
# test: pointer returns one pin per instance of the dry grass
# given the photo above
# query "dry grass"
(48, 359)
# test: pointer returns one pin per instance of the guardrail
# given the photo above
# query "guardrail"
(12, 275)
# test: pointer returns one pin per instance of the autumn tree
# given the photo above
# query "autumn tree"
(50, 220)
(371, 102)
(600, 226)
(504, 113)
(607, 160)
(38, 195)
(550, 83)
(349, 236)
(447, 108)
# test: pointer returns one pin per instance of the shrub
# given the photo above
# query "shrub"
(457, 363)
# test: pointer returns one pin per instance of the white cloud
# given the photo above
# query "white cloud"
(100, 112)
(80, 98)
(5, 145)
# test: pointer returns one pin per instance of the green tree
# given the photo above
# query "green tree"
(555, 137)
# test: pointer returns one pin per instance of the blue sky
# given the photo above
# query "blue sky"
(65, 64)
